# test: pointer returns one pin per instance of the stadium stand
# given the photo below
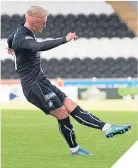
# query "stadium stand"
(80, 68)
(84, 25)
(106, 47)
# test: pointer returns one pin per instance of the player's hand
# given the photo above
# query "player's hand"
(70, 36)
(10, 51)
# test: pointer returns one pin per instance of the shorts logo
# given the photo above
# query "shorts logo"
(50, 96)
(50, 103)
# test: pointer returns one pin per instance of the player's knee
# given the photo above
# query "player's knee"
(63, 113)
(69, 104)
(60, 113)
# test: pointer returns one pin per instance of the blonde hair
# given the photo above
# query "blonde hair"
(37, 11)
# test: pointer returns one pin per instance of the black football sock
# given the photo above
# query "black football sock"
(66, 129)
(86, 118)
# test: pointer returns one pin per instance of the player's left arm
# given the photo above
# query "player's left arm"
(31, 44)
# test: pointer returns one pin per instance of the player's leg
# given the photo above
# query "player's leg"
(67, 131)
(88, 119)
(82, 116)
(40, 95)
(65, 126)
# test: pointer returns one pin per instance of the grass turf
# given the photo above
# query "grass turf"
(32, 140)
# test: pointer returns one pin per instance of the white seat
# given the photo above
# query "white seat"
(63, 7)
(83, 47)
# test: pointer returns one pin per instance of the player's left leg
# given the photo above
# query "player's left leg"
(88, 119)
(67, 131)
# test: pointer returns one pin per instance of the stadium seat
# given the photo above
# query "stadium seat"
(80, 68)
(87, 26)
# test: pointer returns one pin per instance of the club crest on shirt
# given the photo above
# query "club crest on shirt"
(28, 37)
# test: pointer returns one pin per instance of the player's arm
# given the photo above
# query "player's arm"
(45, 45)
(31, 44)
(10, 39)
(9, 42)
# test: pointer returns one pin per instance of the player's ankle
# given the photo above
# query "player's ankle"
(73, 150)
(106, 127)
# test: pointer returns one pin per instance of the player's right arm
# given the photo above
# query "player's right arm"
(9, 42)
(10, 39)
(32, 44)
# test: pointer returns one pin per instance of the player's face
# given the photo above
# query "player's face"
(39, 26)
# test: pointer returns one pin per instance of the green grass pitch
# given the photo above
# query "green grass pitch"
(30, 139)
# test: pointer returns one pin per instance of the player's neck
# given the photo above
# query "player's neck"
(28, 26)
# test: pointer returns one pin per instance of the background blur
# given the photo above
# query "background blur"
(102, 64)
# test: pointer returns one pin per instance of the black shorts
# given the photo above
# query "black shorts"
(44, 95)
